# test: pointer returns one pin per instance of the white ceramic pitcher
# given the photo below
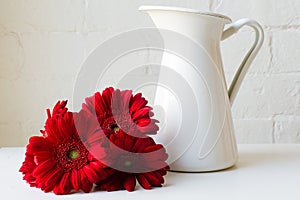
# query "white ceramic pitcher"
(198, 134)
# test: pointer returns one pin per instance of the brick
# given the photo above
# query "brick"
(287, 129)
(124, 17)
(11, 56)
(41, 15)
(267, 96)
(119, 16)
(267, 12)
(23, 107)
(52, 56)
(286, 51)
(127, 58)
(28, 99)
(253, 131)
(11, 135)
(17, 133)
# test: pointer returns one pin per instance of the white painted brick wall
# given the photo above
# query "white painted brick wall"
(43, 44)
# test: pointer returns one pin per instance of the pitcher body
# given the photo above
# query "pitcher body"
(198, 132)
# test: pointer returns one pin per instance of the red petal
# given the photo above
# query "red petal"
(137, 103)
(141, 144)
(127, 95)
(37, 143)
(99, 104)
(151, 128)
(116, 102)
(42, 156)
(99, 168)
(65, 130)
(159, 176)
(64, 186)
(91, 174)
(53, 178)
(155, 148)
(43, 168)
(112, 183)
(141, 113)
(118, 142)
(60, 106)
(97, 152)
(129, 183)
(128, 143)
(143, 182)
(163, 171)
(86, 185)
(75, 180)
(89, 105)
(143, 122)
(51, 131)
(153, 179)
(107, 94)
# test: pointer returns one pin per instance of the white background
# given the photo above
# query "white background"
(43, 44)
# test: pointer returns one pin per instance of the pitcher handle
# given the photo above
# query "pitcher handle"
(244, 66)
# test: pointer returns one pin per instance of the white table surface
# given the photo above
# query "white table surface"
(263, 172)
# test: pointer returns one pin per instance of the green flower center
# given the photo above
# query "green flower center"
(73, 154)
(114, 127)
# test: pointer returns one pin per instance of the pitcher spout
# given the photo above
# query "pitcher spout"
(203, 28)
(189, 22)
(184, 10)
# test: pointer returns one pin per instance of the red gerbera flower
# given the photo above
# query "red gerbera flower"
(59, 161)
(97, 145)
(120, 110)
(29, 164)
(135, 158)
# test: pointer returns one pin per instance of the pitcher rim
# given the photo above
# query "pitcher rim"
(185, 10)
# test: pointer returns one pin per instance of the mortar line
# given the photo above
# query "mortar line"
(273, 132)
(271, 51)
(282, 27)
